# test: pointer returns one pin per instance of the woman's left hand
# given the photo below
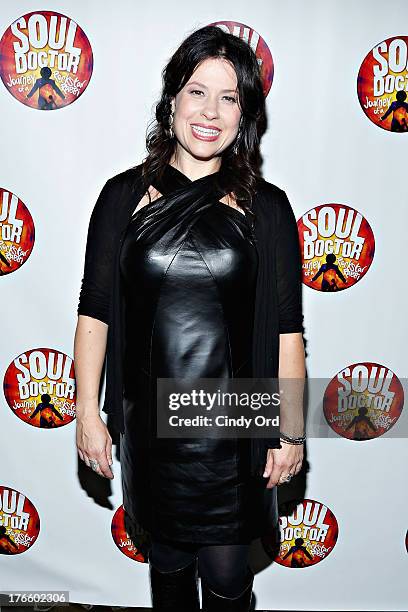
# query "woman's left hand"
(283, 461)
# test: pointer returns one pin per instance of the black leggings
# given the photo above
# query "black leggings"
(223, 567)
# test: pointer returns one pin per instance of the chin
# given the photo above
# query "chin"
(203, 152)
(203, 156)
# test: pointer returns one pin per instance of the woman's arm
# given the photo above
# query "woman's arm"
(292, 368)
(93, 439)
(89, 355)
(288, 459)
(292, 371)
(92, 436)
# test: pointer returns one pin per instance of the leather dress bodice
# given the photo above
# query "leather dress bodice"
(190, 314)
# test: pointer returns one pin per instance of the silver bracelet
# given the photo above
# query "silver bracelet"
(291, 440)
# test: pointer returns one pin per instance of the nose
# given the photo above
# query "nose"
(210, 108)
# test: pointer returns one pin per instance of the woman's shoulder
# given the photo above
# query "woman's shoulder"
(117, 194)
(128, 178)
(273, 205)
(271, 199)
(269, 190)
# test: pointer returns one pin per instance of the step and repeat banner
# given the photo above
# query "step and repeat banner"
(335, 77)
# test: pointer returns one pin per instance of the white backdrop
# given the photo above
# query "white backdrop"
(320, 147)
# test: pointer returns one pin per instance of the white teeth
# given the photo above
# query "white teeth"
(205, 131)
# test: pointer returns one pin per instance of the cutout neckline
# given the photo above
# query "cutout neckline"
(186, 178)
(242, 213)
(135, 212)
(189, 179)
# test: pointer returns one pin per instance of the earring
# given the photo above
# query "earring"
(171, 132)
(236, 144)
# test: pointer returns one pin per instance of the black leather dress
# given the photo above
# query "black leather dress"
(188, 272)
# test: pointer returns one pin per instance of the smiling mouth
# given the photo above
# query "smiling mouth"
(205, 133)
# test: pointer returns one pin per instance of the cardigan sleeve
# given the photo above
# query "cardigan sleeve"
(96, 284)
(288, 269)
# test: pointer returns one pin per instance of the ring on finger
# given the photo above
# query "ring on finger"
(94, 464)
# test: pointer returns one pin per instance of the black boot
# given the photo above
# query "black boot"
(212, 602)
(175, 591)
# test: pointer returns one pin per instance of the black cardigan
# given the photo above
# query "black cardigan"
(278, 300)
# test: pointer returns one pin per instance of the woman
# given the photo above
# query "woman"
(192, 269)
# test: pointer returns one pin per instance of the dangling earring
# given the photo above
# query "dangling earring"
(236, 144)
(171, 132)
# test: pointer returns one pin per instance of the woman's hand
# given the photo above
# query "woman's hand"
(283, 461)
(94, 444)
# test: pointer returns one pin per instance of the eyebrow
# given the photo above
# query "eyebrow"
(205, 87)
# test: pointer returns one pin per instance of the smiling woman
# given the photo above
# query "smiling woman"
(202, 280)
(205, 119)
(213, 106)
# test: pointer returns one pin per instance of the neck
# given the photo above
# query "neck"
(194, 168)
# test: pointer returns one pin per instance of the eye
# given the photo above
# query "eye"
(231, 99)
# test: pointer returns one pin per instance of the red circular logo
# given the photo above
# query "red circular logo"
(39, 387)
(363, 401)
(45, 60)
(382, 84)
(258, 45)
(337, 245)
(17, 232)
(135, 547)
(19, 522)
(308, 532)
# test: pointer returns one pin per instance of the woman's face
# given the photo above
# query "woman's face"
(206, 112)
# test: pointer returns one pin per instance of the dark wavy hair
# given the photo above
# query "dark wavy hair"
(239, 170)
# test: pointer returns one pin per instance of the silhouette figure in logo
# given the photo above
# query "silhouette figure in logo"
(47, 412)
(7, 546)
(330, 271)
(3, 260)
(362, 424)
(51, 104)
(299, 553)
(399, 109)
(46, 88)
